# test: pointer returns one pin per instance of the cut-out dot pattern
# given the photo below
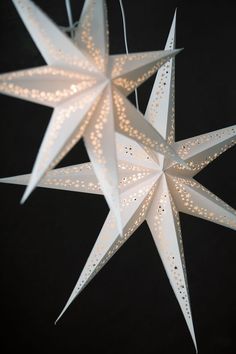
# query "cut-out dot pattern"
(96, 133)
(99, 257)
(71, 177)
(64, 114)
(9, 85)
(126, 126)
(120, 65)
(74, 60)
(75, 136)
(135, 154)
(87, 39)
(198, 152)
(162, 90)
(177, 267)
(184, 186)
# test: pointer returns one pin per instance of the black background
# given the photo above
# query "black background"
(129, 307)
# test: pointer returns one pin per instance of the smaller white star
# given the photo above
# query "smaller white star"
(87, 89)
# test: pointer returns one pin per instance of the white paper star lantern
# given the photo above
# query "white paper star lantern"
(153, 189)
(87, 89)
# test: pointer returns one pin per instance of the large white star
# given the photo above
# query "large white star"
(87, 89)
(153, 189)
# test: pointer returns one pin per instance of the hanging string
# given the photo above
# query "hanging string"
(72, 25)
(126, 46)
(70, 18)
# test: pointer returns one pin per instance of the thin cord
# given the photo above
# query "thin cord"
(70, 18)
(124, 26)
(126, 45)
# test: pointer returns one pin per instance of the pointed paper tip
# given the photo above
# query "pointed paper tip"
(23, 199)
(192, 332)
(174, 18)
(173, 52)
(63, 311)
(21, 179)
(26, 194)
(59, 317)
(195, 345)
(5, 180)
(178, 50)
